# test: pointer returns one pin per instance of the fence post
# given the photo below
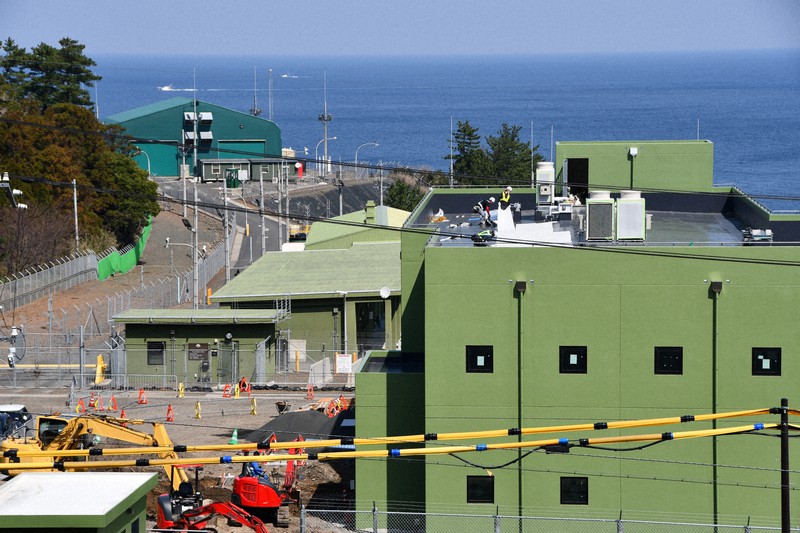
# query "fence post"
(620, 526)
(497, 520)
(302, 518)
(374, 517)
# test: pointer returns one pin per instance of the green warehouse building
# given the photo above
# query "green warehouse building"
(622, 286)
(170, 130)
(284, 313)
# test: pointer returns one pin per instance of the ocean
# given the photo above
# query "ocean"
(746, 103)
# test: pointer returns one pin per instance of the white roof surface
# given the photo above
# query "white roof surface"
(68, 493)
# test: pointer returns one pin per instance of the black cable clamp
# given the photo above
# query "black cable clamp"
(601, 425)
(687, 418)
(95, 451)
(515, 431)
(431, 436)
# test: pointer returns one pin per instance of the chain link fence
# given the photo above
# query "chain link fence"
(342, 521)
(36, 282)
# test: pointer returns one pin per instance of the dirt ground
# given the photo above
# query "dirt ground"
(321, 485)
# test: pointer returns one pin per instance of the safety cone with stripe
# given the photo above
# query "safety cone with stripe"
(234, 437)
(113, 404)
(142, 397)
(170, 414)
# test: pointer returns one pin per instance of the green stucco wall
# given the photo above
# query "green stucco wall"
(620, 306)
(389, 404)
(245, 336)
(659, 165)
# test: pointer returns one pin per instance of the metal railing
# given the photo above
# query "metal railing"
(341, 521)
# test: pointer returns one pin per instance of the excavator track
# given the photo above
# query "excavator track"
(282, 516)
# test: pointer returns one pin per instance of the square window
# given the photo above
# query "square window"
(575, 491)
(479, 359)
(669, 359)
(572, 359)
(766, 361)
(155, 352)
(480, 489)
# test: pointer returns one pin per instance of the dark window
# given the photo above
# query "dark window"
(479, 359)
(155, 353)
(669, 359)
(766, 361)
(575, 491)
(480, 489)
(572, 359)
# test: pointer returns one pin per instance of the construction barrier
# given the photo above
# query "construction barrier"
(197, 410)
(170, 414)
(142, 397)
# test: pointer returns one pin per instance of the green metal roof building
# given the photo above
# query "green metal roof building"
(167, 133)
(626, 306)
(284, 312)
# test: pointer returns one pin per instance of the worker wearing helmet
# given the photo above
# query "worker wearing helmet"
(505, 197)
(484, 208)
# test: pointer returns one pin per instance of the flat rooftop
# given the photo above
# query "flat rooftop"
(685, 219)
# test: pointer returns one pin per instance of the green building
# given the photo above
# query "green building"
(629, 287)
(285, 312)
(172, 126)
(80, 502)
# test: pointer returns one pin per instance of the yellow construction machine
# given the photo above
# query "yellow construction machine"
(56, 434)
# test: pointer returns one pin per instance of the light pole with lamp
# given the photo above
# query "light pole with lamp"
(139, 151)
(316, 152)
(359, 148)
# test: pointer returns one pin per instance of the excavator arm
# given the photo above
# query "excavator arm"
(55, 433)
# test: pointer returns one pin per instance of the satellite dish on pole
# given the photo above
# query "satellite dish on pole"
(385, 292)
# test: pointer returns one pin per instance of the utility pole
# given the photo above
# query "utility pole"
(195, 281)
(225, 226)
(325, 118)
(75, 210)
(270, 94)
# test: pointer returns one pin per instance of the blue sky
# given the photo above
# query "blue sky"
(408, 27)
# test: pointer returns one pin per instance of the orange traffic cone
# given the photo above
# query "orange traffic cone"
(99, 405)
(93, 402)
(113, 406)
(310, 392)
(142, 397)
(170, 414)
(122, 414)
(81, 407)
(226, 392)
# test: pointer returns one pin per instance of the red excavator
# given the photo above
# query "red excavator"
(183, 510)
(255, 492)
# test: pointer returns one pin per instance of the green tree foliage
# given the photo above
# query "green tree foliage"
(470, 161)
(403, 195)
(46, 144)
(47, 74)
(506, 159)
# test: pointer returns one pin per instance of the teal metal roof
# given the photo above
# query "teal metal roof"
(148, 109)
(199, 316)
(362, 269)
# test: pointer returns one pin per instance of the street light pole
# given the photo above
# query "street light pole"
(195, 281)
(359, 148)
(316, 153)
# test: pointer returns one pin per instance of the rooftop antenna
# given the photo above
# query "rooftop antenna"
(698, 128)
(255, 111)
(270, 94)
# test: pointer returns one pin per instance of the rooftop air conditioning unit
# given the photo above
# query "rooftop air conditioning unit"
(600, 219)
(631, 217)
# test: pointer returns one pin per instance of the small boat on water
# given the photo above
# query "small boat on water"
(166, 88)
